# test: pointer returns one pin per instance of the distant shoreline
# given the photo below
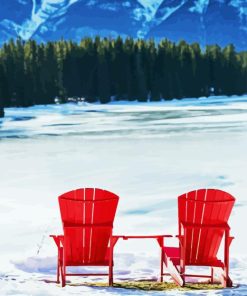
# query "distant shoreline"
(186, 102)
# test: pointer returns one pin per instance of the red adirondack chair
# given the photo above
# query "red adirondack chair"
(87, 216)
(202, 226)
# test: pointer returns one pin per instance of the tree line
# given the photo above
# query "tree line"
(103, 69)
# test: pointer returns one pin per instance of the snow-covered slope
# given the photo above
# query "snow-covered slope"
(204, 21)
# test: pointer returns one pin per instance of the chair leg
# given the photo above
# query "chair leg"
(63, 268)
(182, 272)
(112, 244)
(63, 276)
(227, 281)
(212, 275)
(111, 274)
(58, 267)
(162, 266)
(58, 277)
(173, 271)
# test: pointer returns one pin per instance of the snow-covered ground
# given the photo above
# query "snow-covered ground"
(147, 153)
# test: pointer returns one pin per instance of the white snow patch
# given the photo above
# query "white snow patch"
(47, 9)
(200, 6)
(24, 2)
(92, 2)
(109, 6)
(147, 12)
(126, 4)
(151, 5)
(241, 5)
(167, 11)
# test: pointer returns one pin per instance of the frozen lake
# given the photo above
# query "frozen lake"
(147, 153)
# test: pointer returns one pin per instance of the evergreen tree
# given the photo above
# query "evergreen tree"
(102, 69)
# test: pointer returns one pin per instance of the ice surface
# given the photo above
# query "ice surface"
(147, 153)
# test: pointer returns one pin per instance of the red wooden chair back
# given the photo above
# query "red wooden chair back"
(203, 207)
(87, 215)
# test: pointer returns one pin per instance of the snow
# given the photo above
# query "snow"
(126, 4)
(111, 6)
(147, 14)
(147, 153)
(166, 12)
(41, 12)
(200, 6)
(151, 6)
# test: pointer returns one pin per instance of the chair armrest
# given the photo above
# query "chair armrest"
(58, 239)
(230, 239)
(114, 239)
(180, 238)
(126, 237)
(224, 226)
(117, 236)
